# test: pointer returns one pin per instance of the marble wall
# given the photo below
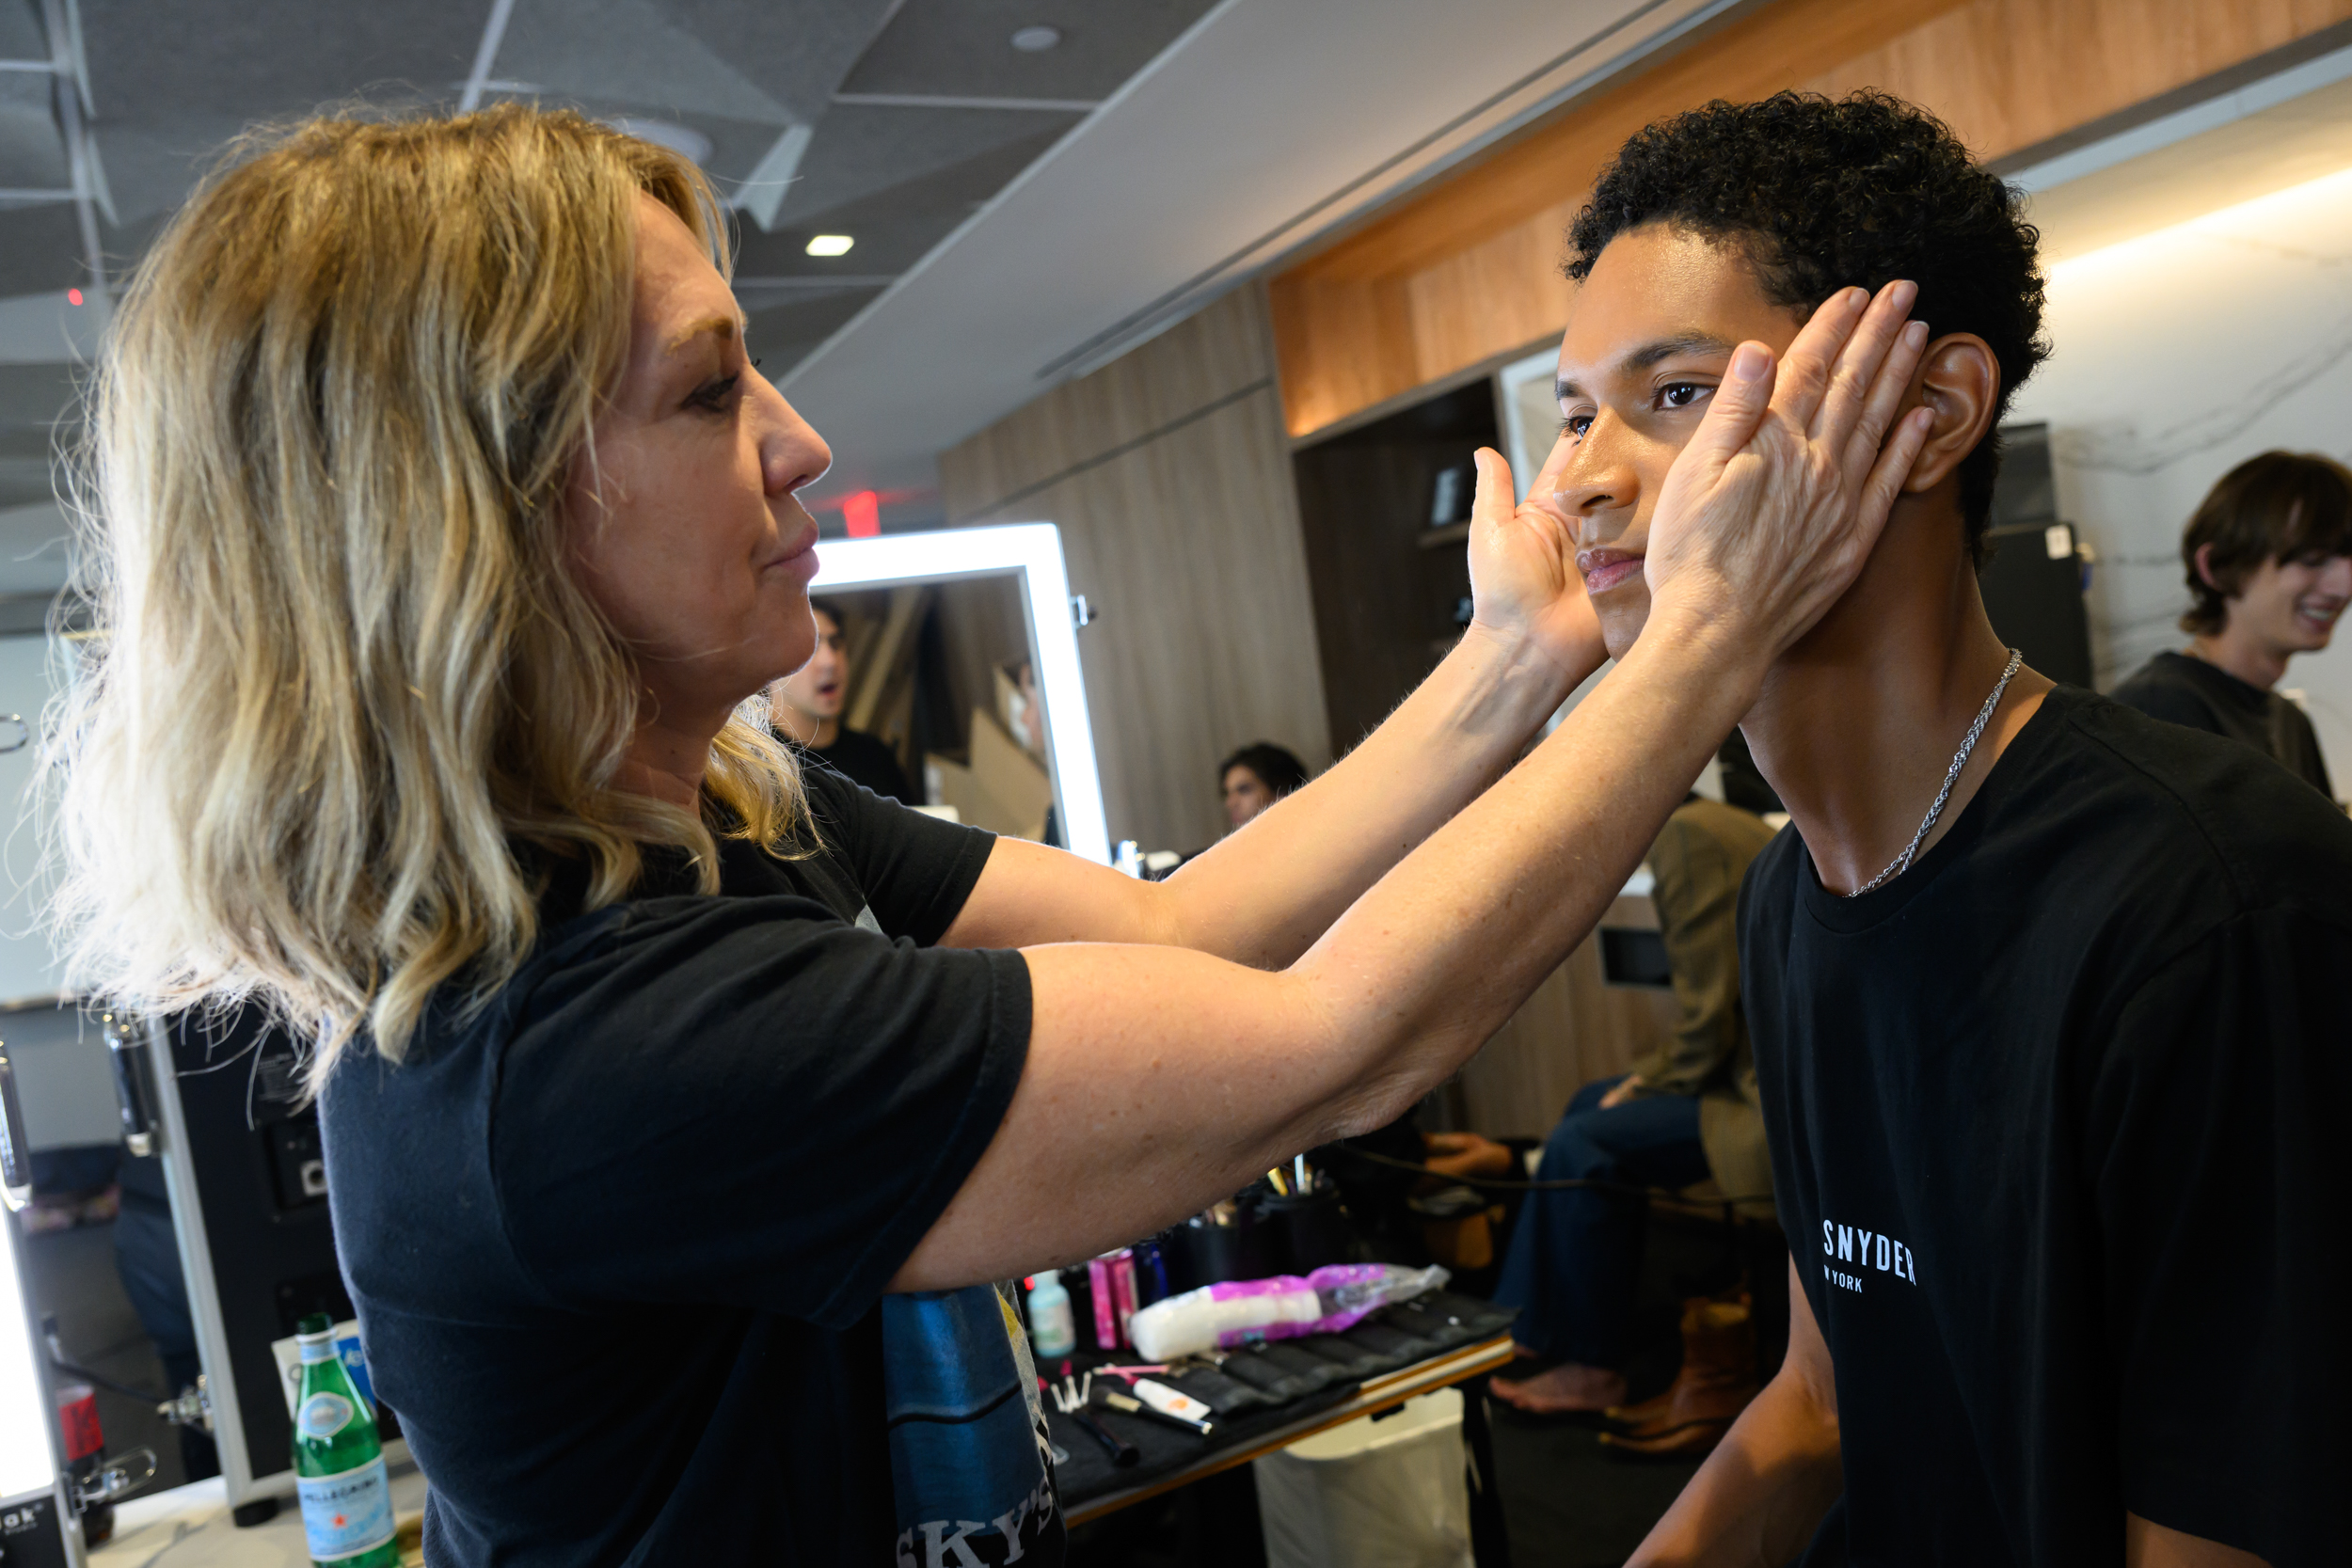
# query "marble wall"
(2177, 355)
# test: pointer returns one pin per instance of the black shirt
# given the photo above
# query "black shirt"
(863, 759)
(2182, 690)
(619, 1241)
(2052, 1119)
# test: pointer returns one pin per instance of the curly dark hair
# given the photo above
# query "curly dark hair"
(1822, 194)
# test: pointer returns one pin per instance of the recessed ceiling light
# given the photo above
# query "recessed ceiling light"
(830, 244)
(1036, 41)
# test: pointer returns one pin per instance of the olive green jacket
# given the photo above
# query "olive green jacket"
(1698, 860)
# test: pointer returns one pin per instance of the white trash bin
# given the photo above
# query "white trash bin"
(1387, 1494)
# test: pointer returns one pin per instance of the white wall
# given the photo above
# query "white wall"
(2177, 355)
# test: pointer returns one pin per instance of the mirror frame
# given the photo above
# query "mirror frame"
(1032, 553)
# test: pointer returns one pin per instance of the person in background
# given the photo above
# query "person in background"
(1690, 1110)
(805, 709)
(2268, 555)
(1255, 777)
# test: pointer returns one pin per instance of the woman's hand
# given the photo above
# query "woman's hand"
(1768, 516)
(1524, 584)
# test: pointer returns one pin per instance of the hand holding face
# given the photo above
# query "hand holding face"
(1524, 584)
(1769, 514)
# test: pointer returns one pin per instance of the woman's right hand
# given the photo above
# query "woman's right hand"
(1769, 514)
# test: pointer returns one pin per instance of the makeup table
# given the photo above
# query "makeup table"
(1262, 1433)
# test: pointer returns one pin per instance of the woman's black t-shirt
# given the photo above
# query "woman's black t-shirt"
(619, 1242)
(2051, 1119)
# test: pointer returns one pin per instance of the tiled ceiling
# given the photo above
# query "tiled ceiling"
(916, 113)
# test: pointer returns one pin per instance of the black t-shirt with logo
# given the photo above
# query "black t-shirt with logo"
(619, 1241)
(2051, 1119)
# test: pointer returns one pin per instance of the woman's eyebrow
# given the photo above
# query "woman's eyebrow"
(723, 327)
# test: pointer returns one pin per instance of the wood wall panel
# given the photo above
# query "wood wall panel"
(1473, 263)
(1168, 474)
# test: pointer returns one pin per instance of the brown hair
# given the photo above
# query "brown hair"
(2280, 506)
(343, 671)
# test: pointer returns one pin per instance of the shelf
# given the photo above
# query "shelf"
(1437, 538)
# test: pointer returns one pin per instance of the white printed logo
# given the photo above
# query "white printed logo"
(1874, 1251)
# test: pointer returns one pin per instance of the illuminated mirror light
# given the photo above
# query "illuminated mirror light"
(1034, 551)
(830, 244)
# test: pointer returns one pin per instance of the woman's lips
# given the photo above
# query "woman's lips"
(1605, 569)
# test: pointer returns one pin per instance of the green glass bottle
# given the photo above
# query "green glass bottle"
(339, 1464)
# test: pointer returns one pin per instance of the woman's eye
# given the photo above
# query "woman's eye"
(1680, 394)
(1575, 426)
(713, 394)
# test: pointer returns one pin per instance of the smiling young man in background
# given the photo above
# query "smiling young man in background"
(2269, 561)
(2046, 996)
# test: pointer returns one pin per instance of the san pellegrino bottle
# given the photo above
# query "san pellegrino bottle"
(339, 1464)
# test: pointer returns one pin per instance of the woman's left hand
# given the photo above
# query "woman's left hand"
(1524, 584)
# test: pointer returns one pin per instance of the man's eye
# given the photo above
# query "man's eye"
(1680, 394)
(1575, 426)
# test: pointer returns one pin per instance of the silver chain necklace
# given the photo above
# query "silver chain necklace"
(1960, 759)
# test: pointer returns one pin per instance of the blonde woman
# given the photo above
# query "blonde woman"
(678, 1106)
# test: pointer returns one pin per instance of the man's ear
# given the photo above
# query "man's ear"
(2204, 571)
(1960, 380)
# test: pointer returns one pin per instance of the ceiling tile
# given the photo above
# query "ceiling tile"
(964, 48)
(860, 151)
(894, 225)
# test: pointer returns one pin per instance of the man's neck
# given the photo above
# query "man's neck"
(2243, 654)
(1859, 721)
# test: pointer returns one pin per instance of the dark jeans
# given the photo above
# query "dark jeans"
(1576, 1255)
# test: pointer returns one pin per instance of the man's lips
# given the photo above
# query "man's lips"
(1605, 569)
(2321, 613)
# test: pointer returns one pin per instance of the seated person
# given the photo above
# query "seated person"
(1688, 1112)
(2046, 996)
(2269, 561)
(805, 706)
(1255, 777)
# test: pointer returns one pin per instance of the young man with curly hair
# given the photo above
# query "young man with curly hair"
(2046, 997)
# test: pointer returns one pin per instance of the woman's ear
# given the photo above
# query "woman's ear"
(1960, 380)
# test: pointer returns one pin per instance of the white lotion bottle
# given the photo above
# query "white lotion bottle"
(1050, 1324)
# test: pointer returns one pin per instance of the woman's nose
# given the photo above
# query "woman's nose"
(792, 454)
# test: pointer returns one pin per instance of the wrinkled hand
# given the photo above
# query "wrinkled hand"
(1524, 584)
(1768, 516)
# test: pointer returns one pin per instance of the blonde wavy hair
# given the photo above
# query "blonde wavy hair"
(342, 672)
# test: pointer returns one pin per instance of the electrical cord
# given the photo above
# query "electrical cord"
(1563, 1184)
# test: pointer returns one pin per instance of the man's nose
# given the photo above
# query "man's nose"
(1599, 477)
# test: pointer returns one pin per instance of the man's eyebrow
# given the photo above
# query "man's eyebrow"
(1650, 354)
(724, 326)
(1666, 348)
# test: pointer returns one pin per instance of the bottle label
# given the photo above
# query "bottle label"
(346, 1515)
(322, 1414)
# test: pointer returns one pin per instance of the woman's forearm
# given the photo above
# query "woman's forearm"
(1263, 896)
(1187, 1075)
